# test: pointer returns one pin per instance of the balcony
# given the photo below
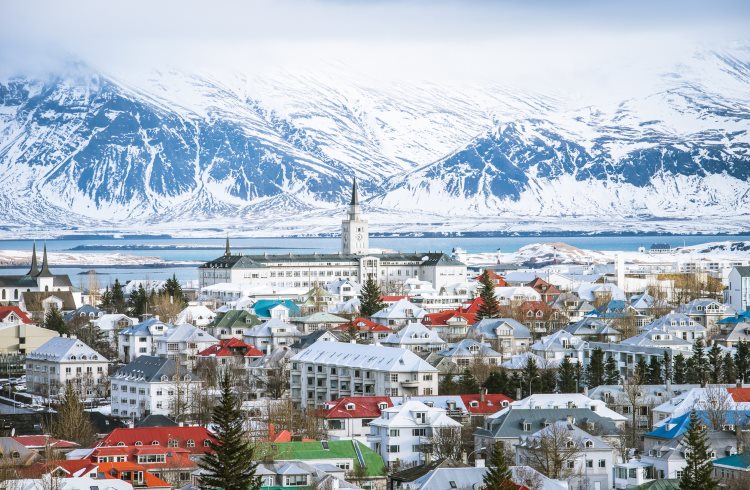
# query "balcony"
(411, 383)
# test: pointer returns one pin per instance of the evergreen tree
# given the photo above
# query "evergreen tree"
(666, 364)
(641, 370)
(697, 472)
(566, 377)
(595, 371)
(54, 320)
(468, 385)
(448, 385)
(728, 371)
(530, 378)
(499, 382)
(490, 307)
(654, 376)
(515, 385)
(229, 464)
(71, 422)
(106, 301)
(118, 298)
(611, 372)
(697, 365)
(498, 475)
(173, 289)
(547, 380)
(679, 370)
(715, 361)
(742, 360)
(138, 302)
(580, 376)
(370, 298)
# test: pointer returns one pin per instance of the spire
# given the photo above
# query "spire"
(355, 195)
(45, 266)
(34, 267)
(227, 252)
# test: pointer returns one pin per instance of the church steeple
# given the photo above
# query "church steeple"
(34, 270)
(354, 234)
(227, 252)
(45, 265)
(355, 194)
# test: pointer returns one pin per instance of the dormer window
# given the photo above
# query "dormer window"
(138, 443)
(588, 443)
(382, 405)
(350, 406)
(474, 403)
(154, 443)
(569, 444)
(527, 427)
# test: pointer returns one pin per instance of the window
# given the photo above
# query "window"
(173, 443)
(394, 432)
(602, 463)
(190, 443)
(296, 480)
(571, 464)
(394, 378)
(589, 463)
(392, 449)
(419, 432)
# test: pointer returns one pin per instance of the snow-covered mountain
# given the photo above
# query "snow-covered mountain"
(275, 154)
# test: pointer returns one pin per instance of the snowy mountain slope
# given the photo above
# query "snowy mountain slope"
(84, 150)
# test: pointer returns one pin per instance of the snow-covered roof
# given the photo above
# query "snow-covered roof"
(402, 308)
(413, 333)
(488, 328)
(519, 361)
(188, 333)
(365, 356)
(199, 314)
(273, 327)
(590, 291)
(65, 349)
(562, 401)
(404, 416)
(469, 348)
(109, 321)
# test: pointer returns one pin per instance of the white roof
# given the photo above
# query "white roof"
(198, 313)
(65, 349)
(188, 333)
(414, 334)
(510, 292)
(403, 416)
(398, 310)
(74, 483)
(563, 400)
(351, 306)
(375, 356)
(588, 291)
(108, 321)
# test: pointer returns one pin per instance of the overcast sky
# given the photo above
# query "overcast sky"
(536, 43)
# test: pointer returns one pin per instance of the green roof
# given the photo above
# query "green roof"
(313, 450)
(235, 319)
(740, 461)
(658, 485)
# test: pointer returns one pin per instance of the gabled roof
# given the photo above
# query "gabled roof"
(230, 348)
(404, 416)
(313, 450)
(144, 328)
(313, 337)
(398, 311)
(414, 334)
(187, 333)
(263, 307)
(361, 407)
(740, 461)
(149, 369)
(467, 348)
(41, 442)
(33, 300)
(5, 311)
(510, 424)
(272, 328)
(488, 328)
(740, 394)
(441, 318)
(235, 319)
(743, 270)
(366, 356)
(65, 349)
(320, 317)
(163, 435)
(363, 325)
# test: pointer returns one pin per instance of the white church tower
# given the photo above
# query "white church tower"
(354, 235)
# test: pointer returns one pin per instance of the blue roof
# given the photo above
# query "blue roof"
(141, 328)
(741, 461)
(677, 426)
(262, 306)
(739, 318)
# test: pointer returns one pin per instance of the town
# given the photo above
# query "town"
(388, 370)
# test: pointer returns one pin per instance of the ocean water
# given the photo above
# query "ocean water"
(186, 253)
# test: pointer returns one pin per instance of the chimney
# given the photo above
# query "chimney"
(585, 391)
(571, 419)
(518, 393)
(669, 385)
(482, 394)
(739, 383)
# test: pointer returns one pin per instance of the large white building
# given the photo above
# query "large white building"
(183, 343)
(738, 292)
(326, 371)
(401, 434)
(140, 339)
(152, 385)
(354, 263)
(64, 359)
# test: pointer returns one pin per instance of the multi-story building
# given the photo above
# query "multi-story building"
(402, 433)
(505, 335)
(183, 343)
(330, 370)
(738, 291)
(140, 339)
(366, 331)
(61, 360)
(152, 385)
(18, 334)
(354, 263)
(707, 312)
(415, 337)
(271, 335)
(398, 314)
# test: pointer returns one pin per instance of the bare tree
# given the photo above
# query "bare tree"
(524, 475)
(632, 388)
(304, 422)
(716, 404)
(550, 450)
(71, 422)
(446, 442)
(166, 307)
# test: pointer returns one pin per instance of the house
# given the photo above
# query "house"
(627, 353)
(197, 315)
(193, 438)
(401, 433)
(450, 324)
(538, 316)
(298, 474)
(738, 291)
(548, 292)
(112, 324)
(317, 321)
(84, 314)
(730, 470)
(320, 335)
(706, 312)
(497, 280)
(589, 460)
(650, 396)
(701, 398)
(268, 374)
(315, 300)
(563, 401)
(415, 337)
(572, 307)
(43, 442)
(733, 330)
(18, 334)
(271, 335)
(344, 289)
(366, 331)
(399, 314)
(61, 360)
(140, 339)
(183, 342)
(515, 295)
(39, 303)
(457, 357)
(448, 474)
(232, 324)
(505, 335)
(519, 362)
(594, 329)
(72, 483)
(558, 346)
(600, 293)
(275, 309)
(231, 351)
(152, 385)
(680, 326)
(330, 370)
(15, 454)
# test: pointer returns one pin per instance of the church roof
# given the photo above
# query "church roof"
(262, 261)
(355, 194)
(45, 272)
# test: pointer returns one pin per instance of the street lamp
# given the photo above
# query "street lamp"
(474, 451)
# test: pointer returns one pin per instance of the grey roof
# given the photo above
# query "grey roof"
(355, 194)
(743, 270)
(33, 300)
(578, 435)
(187, 332)
(364, 356)
(463, 349)
(307, 340)
(64, 349)
(148, 368)
(155, 420)
(510, 424)
(262, 261)
(488, 328)
(273, 327)
(319, 317)
(591, 326)
(143, 327)
(84, 310)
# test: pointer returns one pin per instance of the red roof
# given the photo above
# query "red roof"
(442, 317)
(492, 403)
(7, 310)
(739, 394)
(473, 306)
(497, 279)
(113, 471)
(543, 287)
(364, 407)
(75, 467)
(146, 435)
(363, 325)
(393, 299)
(176, 457)
(35, 442)
(534, 306)
(230, 348)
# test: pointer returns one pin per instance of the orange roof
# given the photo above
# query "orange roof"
(739, 394)
(497, 279)
(393, 298)
(34, 442)
(363, 325)
(7, 310)
(364, 407)
(113, 471)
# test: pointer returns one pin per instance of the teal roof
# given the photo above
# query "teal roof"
(740, 461)
(262, 307)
